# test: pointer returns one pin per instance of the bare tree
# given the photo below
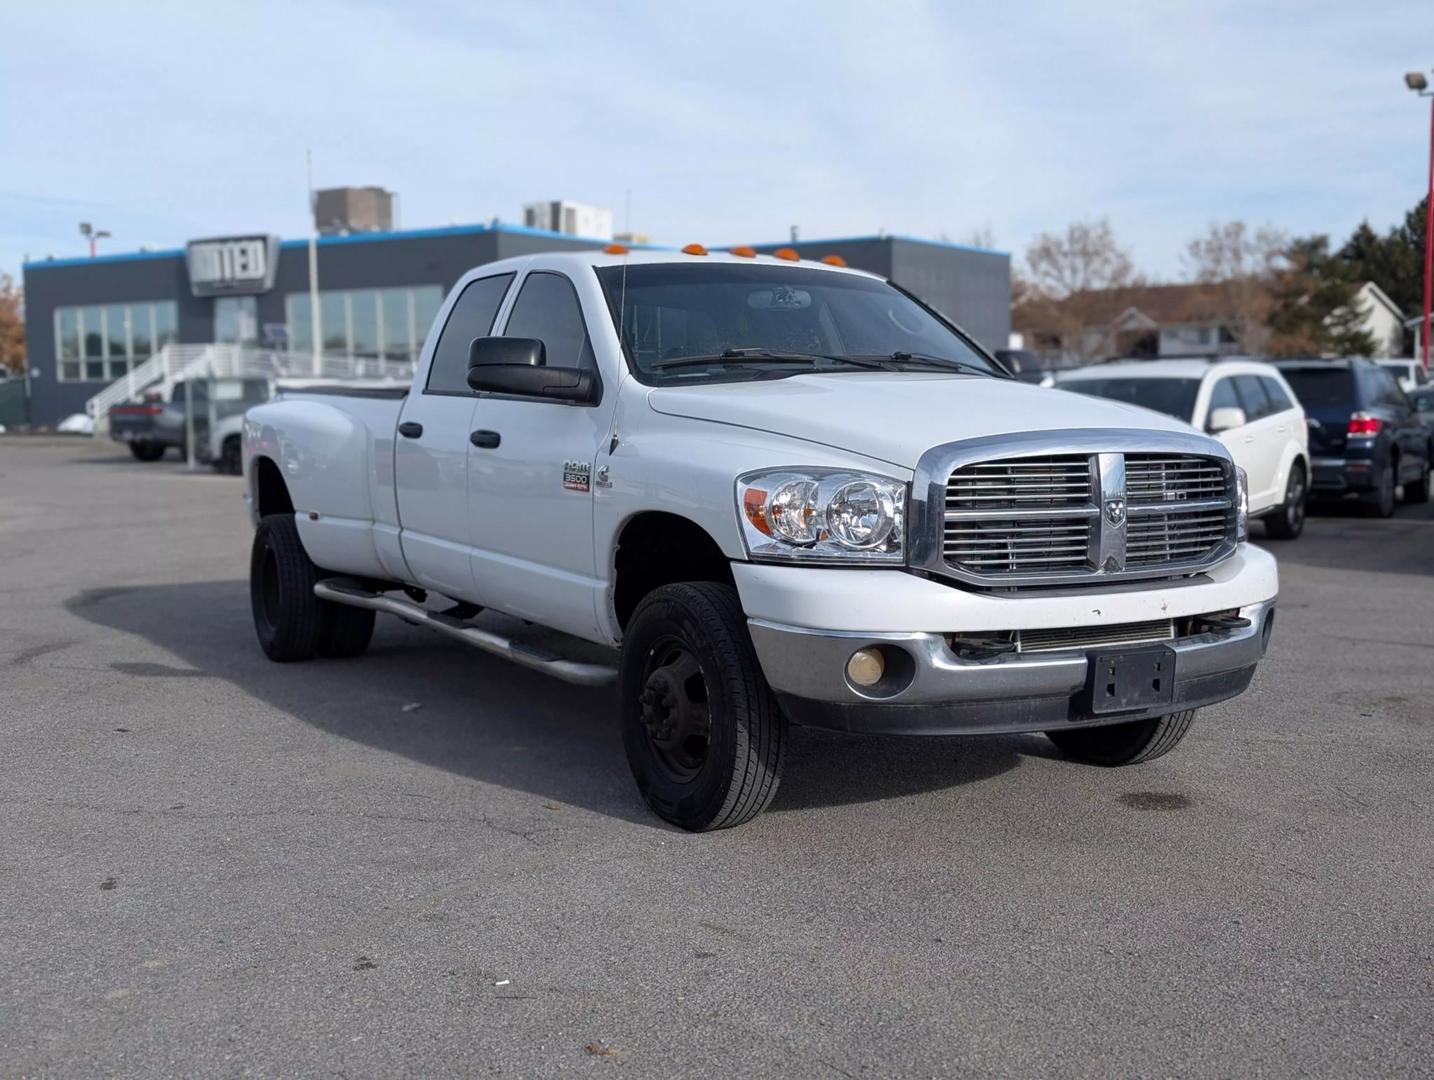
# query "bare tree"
(1075, 282)
(982, 237)
(1241, 266)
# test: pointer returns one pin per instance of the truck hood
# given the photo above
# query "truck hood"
(898, 417)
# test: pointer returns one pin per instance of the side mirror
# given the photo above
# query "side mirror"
(1226, 418)
(519, 366)
(485, 351)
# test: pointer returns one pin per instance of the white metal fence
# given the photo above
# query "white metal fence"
(176, 363)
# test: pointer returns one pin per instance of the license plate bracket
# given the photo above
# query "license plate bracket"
(1130, 679)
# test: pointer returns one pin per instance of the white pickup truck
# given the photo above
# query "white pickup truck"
(779, 492)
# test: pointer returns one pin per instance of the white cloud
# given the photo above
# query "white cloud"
(726, 123)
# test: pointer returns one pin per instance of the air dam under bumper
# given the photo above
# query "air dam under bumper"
(1012, 692)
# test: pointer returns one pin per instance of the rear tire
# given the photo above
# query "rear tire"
(1380, 503)
(1418, 491)
(344, 631)
(703, 733)
(146, 451)
(287, 616)
(290, 621)
(231, 458)
(1287, 520)
(1124, 744)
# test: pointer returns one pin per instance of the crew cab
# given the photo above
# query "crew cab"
(1245, 404)
(769, 491)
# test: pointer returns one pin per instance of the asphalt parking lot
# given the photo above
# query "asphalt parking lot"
(428, 862)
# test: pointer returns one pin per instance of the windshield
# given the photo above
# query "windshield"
(1321, 386)
(669, 313)
(1173, 397)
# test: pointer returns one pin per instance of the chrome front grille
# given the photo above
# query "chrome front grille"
(1153, 478)
(1174, 537)
(1010, 546)
(1059, 480)
(1063, 507)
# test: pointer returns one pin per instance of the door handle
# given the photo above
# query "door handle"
(410, 429)
(485, 440)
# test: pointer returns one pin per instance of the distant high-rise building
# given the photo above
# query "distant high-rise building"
(569, 218)
(338, 211)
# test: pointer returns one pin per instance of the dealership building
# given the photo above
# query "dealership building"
(89, 321)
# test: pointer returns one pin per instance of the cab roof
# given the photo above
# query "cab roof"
(576, 260)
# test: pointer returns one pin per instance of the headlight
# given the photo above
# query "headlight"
(1242, 510)
(821, 515)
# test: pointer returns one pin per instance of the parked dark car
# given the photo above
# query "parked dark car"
(1365, 436)
(152, 426)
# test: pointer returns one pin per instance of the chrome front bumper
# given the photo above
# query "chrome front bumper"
(944, 693)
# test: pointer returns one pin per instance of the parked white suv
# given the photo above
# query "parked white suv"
(1245, 404)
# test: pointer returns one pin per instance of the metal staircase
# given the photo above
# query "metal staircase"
(177, 363)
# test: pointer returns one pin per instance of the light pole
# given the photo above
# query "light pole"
(90, 233)
(1416, 81)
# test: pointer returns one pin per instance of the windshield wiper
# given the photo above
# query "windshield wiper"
(761, 356)
(909, 361)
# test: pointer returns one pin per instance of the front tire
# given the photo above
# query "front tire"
(1124, 744)
(1288, 519)
(703, 733)
(147, 451)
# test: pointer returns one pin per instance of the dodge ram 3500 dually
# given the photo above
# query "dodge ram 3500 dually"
(780, 492)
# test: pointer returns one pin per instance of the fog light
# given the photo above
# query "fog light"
(866, 667)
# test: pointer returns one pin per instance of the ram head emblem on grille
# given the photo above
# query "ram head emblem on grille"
(1115, 512)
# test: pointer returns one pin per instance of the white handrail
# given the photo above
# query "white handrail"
(174, 363)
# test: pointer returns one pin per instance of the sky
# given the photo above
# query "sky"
(720, 123)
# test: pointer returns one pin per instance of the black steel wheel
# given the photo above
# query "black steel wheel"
(702, 731)
(1287, 520)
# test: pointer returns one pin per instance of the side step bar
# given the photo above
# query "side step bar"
(342, 591)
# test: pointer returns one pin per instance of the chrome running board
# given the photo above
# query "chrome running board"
(343, 591)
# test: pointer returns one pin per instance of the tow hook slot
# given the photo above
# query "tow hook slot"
(981, 648)
(1220, 623)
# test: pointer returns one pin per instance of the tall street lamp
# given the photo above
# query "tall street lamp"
(1416, 81)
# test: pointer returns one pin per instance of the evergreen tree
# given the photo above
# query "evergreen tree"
(1314, 311)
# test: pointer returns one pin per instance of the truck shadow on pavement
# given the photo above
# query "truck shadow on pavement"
(441, 704)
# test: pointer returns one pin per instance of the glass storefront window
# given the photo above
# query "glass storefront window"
(101, 343)
(236, 320)
(363, 323)
(366, 322)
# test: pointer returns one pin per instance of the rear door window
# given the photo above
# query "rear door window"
(1252, 395)
(472, 317)
(1279, 400)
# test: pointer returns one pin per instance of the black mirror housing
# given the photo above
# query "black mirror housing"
(536, 381)
(485, 351)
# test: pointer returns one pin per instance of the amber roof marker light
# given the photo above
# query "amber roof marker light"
(694, 249)
(790, 254)
(744, 251)
(833, 260)
(614, 249)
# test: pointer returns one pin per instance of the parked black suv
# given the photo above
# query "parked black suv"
(1365, 436)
